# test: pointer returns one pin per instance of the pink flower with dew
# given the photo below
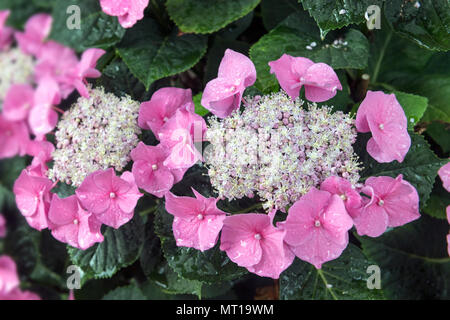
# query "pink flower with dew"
(127, 11)
(73, 225)
(84, 69)
(162, 106)
(179, 135)
(251, 241)
(344, 189)
(14, 137)
(444, 174)
(33, 198)
(150, 172)
(2, 226)
(110, 198)
(43, 118)
(319, 79)
(223, 94)
(383, 116)
(197, 221)
(392, 203)
(18, 102)
(37, 29)
(317, 227)
(56, 61)
(9, 282)
(5, 32)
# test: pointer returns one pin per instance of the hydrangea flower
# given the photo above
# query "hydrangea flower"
(33, 198)
(9, 282)
(73, 225)
(110, 198)
(392, 203)
(162, 106)
(317, 227)
(444, 174)
(37, 28)
(223, 94)
(278, 150)
(383, 116)
(127, 11)
(2, 226)
(197, 221)
(319, 79)
(14, 137)
(251, 241)
(150, 172)
(5, 32)
(179, 135)
(18, 101)
(43, 117)
(344, 189)
(103, 120)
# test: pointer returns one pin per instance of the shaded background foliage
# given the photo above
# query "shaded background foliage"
(180, 43)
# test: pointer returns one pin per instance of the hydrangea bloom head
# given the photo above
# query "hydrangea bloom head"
(383, 116)
(110, 198)
(33, 198)
(279, 150)
(444, 174)
(73, 225)
(317, 227)
(223, 94)
(37, 28)
(251, 241)
(155, 113)
(319, 79)
(127, 11)
(96, 133)
(197, 221)
(392, 203)
(150, 172)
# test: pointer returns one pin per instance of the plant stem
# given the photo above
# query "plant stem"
(381, 56)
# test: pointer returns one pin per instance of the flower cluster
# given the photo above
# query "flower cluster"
(288, 154)
(279, 150)
(97, 133)
(35, 74)
(10, 282)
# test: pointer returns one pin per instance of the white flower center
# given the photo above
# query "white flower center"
(154, 167)
(75, 221)
(112, 195)
(200, 217)
(381, 202)
(381, 126)
(257, 236)
(343, 197)
(317, 223)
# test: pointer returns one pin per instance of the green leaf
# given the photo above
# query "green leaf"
(207, 16)
(275, 11)
(178, 285)
(210, 266)
(199, 109)
(438, 202)
(64, 190)
(413, 260)
(120, 249)
(343, 278)
(413, 105)
(151, 55)
(97, 29)
(419, 167)
(426, 22)
(294, 36)
(151, 255)
(335, 14)
(130, 292)
(440, 133)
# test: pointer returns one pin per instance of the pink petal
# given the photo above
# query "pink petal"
(238, 68)
(18, 102)
(115, 7)
(2, 226)
(321, 83)
(63, 211)
(444, 174)
(91, 196)
(134, 14)
(343, 188)
(14, 136)
(8, 275)
(5, 32)
(37, 29)
(183, 207)
(221, 97)
(371, 220)
(162, 106)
